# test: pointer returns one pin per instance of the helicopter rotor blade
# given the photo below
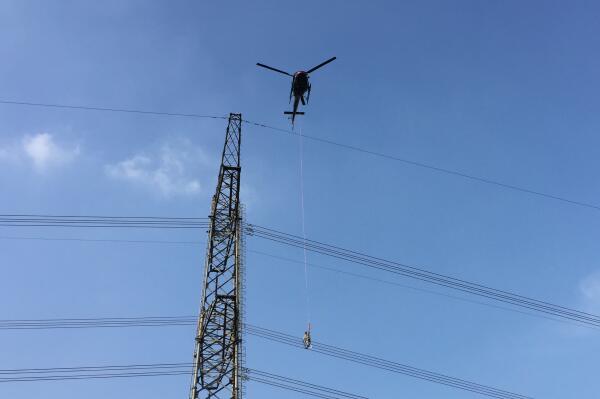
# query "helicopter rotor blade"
(273, 69)
(321, 64)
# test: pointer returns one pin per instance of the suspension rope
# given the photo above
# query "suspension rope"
(301, 138)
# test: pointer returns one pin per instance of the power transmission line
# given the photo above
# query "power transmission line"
(78, 369)
(427, 291)
(260, 332)
(113, 240)
(312, 265)
(154, 222)
(104, 322)
(348, 255)
(426, 276)
(378, 154)
(383, 364)
(256, 374)
(112, 109)
(446, 171)
(163, 369)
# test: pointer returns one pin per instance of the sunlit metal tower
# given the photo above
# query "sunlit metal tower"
(217, 356)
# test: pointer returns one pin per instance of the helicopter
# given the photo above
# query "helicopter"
(300, 86)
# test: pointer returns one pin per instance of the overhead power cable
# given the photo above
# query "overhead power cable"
(93, 369)
(378, 154)
(348, 255)
(268, 334)
(102, 322)
(425, 275)
(151, 222)
(438, 169)
(113, 109)
(164, 369)
(298, 385)
(383, 364)
(107, 240)
(392, 282)
(311, 265)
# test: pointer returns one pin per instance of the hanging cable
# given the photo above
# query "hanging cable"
(307, 333)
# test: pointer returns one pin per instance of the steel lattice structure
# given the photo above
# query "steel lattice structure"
(217, 356)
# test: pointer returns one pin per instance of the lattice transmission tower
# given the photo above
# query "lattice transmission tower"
(218, 355)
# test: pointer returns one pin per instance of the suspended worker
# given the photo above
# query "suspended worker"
(306, 339)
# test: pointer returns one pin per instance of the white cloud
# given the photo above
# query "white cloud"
(590, 291)
(39, 150)
(169, 171)
(44, 153)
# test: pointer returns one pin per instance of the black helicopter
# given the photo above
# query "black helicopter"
(300, 85)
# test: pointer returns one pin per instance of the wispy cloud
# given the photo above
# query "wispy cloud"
(44, 152)
(170, 171)
(40, 150)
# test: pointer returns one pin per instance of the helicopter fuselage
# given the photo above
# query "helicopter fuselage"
(300, 83)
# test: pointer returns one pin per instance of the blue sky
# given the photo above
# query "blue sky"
(503, 90)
